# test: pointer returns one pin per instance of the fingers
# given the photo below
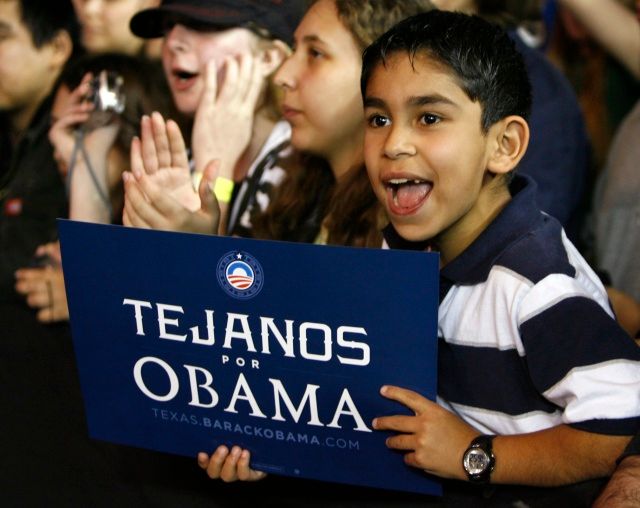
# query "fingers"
(402, 442)
(243, 82)
(81, 91)
(210, 84)
(210, 208)
(52, 250)
(165, 206)
(72, 117)
(177, 146)
(148, 206)
(229, 470)
(161, 140)
(135, 203)
(203, 460)
(161, 146)
(215, 462)
(229, 465)
(32, 283)
(230, 86)
(245, 473)
(149, 154)
(43, 289)
(255, 81)
(136, 160)
(398, 423)
(205, 188)
(413, 400)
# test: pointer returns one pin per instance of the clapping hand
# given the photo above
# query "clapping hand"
(159, 191)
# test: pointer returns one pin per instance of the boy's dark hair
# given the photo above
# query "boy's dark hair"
(510, 13)
(483, 58)
(46, 18)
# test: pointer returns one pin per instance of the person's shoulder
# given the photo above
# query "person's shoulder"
(542, 251)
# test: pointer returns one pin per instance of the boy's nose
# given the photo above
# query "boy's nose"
(398, 144)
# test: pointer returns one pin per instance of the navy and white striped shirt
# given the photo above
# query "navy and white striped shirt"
(527, 339)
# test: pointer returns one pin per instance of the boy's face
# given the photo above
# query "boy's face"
(425, 151)
(185, 55)
(25, 71)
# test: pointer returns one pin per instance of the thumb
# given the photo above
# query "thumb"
(209, 203)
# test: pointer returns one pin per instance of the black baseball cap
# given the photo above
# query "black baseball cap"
(279, 17)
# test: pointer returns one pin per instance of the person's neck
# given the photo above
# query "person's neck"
(20, 120)
(262, 126)
(455, 240)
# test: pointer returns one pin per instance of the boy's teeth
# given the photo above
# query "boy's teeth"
(400, 181)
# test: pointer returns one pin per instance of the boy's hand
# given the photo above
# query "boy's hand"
(434, 438)
(229, 466)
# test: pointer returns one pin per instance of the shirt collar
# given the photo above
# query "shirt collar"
(474, 263)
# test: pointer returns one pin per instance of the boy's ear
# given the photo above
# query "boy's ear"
(511, 136)
(272, 56)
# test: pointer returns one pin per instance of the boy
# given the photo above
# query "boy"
(529, 350)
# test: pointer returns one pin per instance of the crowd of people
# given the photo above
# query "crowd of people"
(484, 130)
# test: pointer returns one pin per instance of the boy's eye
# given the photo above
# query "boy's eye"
(377, 120)
(429, 119)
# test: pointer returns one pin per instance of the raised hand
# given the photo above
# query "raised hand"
(162, 154)
(84, 152)
(148, 205)
(223, 122)
(75, 112)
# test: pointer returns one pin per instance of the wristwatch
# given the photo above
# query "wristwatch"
(478, 460)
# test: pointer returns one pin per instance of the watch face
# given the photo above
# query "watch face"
(476, 461)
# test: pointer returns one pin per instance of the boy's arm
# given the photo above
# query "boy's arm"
(556, 456)
(435, 440)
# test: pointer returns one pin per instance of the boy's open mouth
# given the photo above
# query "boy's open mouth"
(406, 195)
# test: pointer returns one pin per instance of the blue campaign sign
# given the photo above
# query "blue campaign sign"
(185, 342)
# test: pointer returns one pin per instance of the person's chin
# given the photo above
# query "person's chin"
(412, 231)
(300, 140)
(185, 105)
